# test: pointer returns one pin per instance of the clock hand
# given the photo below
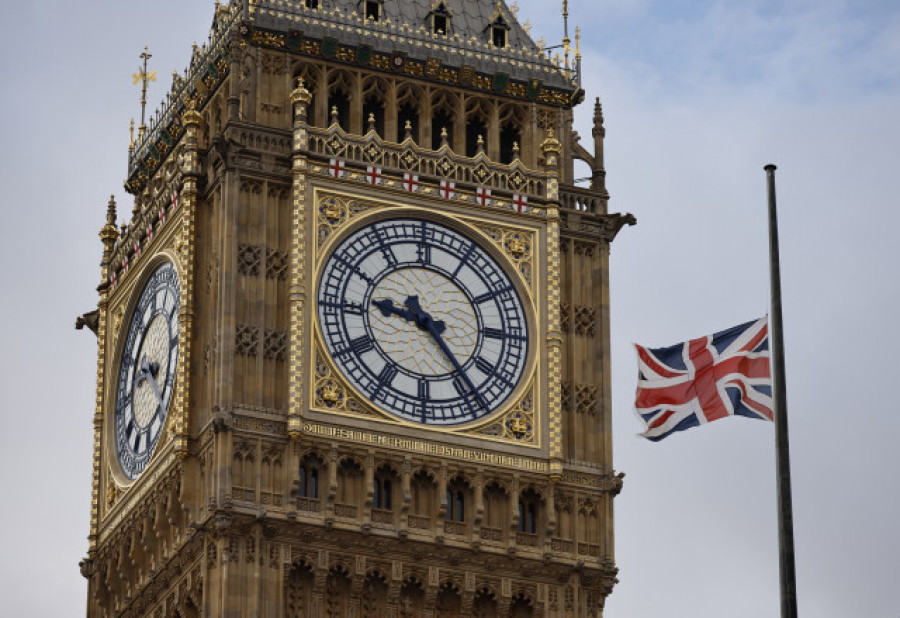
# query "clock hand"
(387, 308)
(425, 322)
(147, 371)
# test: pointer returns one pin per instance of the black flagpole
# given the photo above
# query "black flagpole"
(779, 393)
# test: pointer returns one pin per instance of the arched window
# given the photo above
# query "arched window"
(384, 492)
(440, 20)
(499, 29)
(308, 483)
(373, 10)
(456, 501)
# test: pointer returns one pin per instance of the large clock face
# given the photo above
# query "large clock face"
(422, 321)
(147, 370)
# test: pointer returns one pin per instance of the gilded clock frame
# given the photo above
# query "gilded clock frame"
(122, 308)
(341, 213)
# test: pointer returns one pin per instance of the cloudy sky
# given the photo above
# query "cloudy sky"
(698, 95)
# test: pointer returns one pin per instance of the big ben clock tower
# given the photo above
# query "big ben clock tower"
(353, 338)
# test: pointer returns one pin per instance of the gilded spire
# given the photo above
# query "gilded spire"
(144, 78)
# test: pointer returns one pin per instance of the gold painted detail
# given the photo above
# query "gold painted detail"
(330, 393)
(415, 445)
(517, 425)
(333, 214)
(518, 245)
(267, 38)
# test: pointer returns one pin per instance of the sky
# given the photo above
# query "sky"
(697, 97)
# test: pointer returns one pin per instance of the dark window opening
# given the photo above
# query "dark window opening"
(309, 481)
(498, 36)
(475, 128)
(509, 138)
(527, 517)
(442, 120)
(338, 100)
(312, 4)
(383, 494)
(456, 505)
(372, 10)
(373, 108)
(440, 24)
(407, 113)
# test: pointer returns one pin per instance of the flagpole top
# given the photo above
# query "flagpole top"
(770, 167)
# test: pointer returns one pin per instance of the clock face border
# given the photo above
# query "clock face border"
(126, 307)
(468, 228)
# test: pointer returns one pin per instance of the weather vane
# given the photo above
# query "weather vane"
(144, 77)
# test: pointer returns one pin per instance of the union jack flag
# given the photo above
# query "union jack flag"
(705, 379)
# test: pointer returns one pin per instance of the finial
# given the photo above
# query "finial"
(480, 143)
(111, 211)
(144, 77)
(131, 136)
(515, 150)
(444, 138)
(301, 94)
(334, 115)
(577, 42)
(407, 127)
(108, 233)
(371, 122)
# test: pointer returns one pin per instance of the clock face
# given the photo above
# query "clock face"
(147, 370)
(422, 321)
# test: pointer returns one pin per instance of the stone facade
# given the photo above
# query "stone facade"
(276, 489)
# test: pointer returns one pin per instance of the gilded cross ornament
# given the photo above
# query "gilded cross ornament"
(144, 78)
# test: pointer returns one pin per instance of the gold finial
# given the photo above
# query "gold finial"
(131, 135)
(145, 78)
(577, 42)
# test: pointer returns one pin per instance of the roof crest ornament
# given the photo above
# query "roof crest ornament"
(144, 77)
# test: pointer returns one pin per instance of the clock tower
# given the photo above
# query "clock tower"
(353, 336)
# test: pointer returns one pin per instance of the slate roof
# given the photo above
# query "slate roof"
(405, 26)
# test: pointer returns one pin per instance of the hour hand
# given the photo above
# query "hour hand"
(422, 318)
(387, 308)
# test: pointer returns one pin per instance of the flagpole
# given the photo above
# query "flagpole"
(779, 393)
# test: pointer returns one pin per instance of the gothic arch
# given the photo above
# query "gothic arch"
(521, 606)
(479, 115)
(412, 597)
(341, 96)
(448, 603)
(444, 115)
(312, 80)
(375, 96)
(338, 585)
(298, 590)
(410, 99)
(485, 603)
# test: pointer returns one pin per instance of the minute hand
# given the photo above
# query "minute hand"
(425, 321)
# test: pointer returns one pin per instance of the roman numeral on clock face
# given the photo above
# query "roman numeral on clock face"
(484, 366)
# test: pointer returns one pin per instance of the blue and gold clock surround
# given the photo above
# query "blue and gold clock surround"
(148, 360)
(423, 321)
